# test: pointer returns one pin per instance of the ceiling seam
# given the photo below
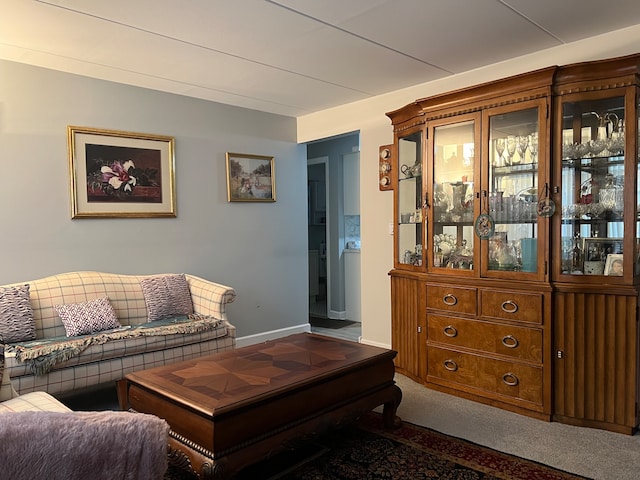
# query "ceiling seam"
(522, 15)
(361, 37)
(180, 82)
(185, 42)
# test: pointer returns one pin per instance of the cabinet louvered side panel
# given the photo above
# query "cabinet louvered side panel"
(405, 313)
(596, 371)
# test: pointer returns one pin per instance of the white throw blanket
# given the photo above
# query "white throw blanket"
(82, 445)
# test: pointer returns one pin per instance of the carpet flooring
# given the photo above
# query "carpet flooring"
(366, 451)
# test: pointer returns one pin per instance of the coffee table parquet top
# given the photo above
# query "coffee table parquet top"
(223, 381)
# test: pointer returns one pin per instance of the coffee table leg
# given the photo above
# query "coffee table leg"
(188, 457)
(391, 420)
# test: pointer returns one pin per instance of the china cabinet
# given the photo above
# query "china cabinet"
(514, 202)
(595, 244)
(470, 287)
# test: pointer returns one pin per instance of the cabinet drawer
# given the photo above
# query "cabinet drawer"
(524, 307)
(452, 299)
(462, 370)
(519, 342)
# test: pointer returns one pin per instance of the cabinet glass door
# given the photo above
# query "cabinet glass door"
(593, 187)
(409, 200)
(454, 174)
(514, 191)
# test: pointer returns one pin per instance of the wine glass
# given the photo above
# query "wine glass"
(511, 148)
(500, 146)
(522, 145)
(533, 147)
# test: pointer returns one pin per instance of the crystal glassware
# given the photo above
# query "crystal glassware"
(511, 148)
(522, 145)
(533, 147)
(500, 146)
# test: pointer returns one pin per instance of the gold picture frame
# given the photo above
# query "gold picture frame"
(250, 178)
(115, 173)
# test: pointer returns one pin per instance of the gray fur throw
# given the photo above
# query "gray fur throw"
(82, 445)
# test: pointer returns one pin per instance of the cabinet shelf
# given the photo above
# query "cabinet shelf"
(520, 169)
(590, 162)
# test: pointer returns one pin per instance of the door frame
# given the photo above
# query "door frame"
(327, 229)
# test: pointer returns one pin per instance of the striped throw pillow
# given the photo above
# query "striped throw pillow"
(166, 296)
(16, 315)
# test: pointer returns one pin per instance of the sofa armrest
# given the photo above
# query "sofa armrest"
(210, 298)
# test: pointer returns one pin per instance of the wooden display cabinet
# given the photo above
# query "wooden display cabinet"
(470, 312)
(595, 244)
(515, 203)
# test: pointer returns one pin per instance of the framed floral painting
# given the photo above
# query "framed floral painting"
(120, 174)
(250, 178)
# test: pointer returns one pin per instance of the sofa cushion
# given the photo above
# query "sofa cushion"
(88, 317)
(16, 315)
(45, 355)
(166, 296)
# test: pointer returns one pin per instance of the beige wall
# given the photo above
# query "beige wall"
(369, 118)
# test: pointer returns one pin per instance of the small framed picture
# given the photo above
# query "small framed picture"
(614, 265)
(597, 248)
(250, 178)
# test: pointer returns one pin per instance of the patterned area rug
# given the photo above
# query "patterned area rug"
(365, 451)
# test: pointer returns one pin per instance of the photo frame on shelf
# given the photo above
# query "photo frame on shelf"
(250, 178)
(114, 173)
(597, 248)
(614, 265)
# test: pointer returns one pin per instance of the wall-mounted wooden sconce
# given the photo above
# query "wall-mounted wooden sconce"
(385, 171)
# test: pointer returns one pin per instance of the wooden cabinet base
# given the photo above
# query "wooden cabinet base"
(489, 401)
(579, 422)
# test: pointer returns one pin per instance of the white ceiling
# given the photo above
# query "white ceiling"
(292, 57)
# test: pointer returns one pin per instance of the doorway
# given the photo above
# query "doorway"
(318, 215)
(327, 223)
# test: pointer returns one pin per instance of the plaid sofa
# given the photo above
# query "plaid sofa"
(111, 360)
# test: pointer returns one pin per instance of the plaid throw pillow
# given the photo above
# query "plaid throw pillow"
(16, 315)
(88, 317)
(166, 296)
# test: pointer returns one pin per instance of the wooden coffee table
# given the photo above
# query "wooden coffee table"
(231, 409)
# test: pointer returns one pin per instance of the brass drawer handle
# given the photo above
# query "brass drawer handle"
(509, 306)
(450, 331)
(450, 365)
(510, 379)
(450, 299)
(510, 341)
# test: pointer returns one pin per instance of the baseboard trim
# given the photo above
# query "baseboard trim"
(375, 344)
(270, 335)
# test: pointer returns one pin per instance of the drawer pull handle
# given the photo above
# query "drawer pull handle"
(510, 341)
(450, 299)
(450, 331)
(510, 379)
(509, 306)
(450, 365)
